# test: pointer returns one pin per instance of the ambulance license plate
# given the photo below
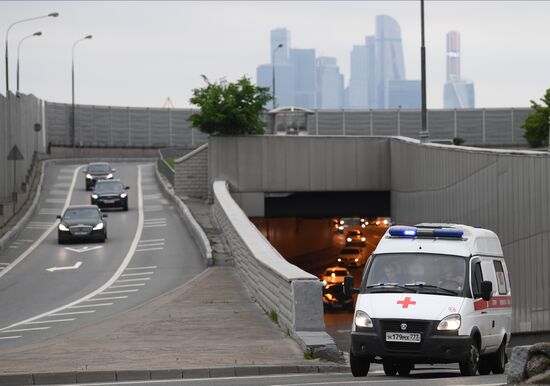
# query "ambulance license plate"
(408, 337)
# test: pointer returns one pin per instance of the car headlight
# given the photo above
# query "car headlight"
(341, 228)
(348, 239)
(363, 225)
(95, 196)
(362, 319)
(123, 195)
(363, 239)
(89, 176)
(63, 228)
(356, 260)
(109, 176)
(339, 259)
(98, 227)
(449, 323)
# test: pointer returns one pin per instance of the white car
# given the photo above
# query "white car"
(352, 257)
(334, 275)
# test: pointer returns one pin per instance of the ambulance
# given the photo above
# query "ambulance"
(432, 293)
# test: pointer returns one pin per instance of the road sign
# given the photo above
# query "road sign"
(15, 154)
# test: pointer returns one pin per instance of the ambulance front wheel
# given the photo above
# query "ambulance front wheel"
(469, 366)
(359, 365)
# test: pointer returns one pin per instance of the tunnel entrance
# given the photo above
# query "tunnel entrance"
(327, 204)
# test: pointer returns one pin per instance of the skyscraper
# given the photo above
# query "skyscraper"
(330, 84)
(457, 93)
(305, 78)
(280, 36)
(389, 63)
(358, 82)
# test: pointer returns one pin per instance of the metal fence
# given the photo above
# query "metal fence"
(141, 127)
(491, 127)
(25, 111)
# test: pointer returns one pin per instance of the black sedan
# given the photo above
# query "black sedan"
(82, 222)
(110, 194)
(98, 171)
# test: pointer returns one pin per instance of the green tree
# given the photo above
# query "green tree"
(229, 108)
(537, 124)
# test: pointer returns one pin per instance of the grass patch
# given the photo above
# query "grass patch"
(171, 162)
(274, 317)
(309, 356)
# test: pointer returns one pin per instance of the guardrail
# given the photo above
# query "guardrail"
(289, 295)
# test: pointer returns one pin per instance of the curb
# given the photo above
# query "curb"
(145, 375)
(195, 229)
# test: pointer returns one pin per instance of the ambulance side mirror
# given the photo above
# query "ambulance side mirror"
(348, 286)
(486, 290)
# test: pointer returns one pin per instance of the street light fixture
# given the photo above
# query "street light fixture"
(424, 134)
(18, 55)
(280, 45)
(72, 86)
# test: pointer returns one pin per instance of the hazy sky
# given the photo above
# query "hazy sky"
(143, 52)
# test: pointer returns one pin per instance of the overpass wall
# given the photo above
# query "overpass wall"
(507, 192)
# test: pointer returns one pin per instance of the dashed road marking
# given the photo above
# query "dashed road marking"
(73, 313)
(137, 274)
(119, 292)
(152, 208)
(52, 321)
(155, 196)
(149, 249)
(66, 170)
(131, 280)
(57, 192)
(105, 299)
(91, 305)
(126, 285)
(62, 185)
(50, 211)
(136, 268)
(62, 177)
(38, 225)
(27, 329)
(10, 337)
(54, 200)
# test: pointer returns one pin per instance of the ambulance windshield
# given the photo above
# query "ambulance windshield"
(416, 271)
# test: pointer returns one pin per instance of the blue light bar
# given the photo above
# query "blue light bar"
(402, 231)
(455, 233)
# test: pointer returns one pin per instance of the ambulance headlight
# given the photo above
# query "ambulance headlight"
(362, 319)
(449, 323)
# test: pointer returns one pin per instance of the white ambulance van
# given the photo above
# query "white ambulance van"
(432, 293)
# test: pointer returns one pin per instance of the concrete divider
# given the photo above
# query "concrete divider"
(194, 228)
(289, 295)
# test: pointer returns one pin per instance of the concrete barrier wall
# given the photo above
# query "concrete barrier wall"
(507, 192)
(277, 285)
(191, 173)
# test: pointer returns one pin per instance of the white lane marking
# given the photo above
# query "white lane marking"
(149, 249)
(38, 241)
(137, 274)
(126, 285)
(153, 196)
(119, 292)
(151, 241)
(66, 170)
(10, 337)
(104, 299)
(14, 246)
(52, 321)
(4, 263)
(151, 245)
(75, 266)
(153, 208)
(60, 177)
(116, 275)
(73, 313)
(54, 200)
(131, 280)
(83, 249)
(25, 241)
(154, 226)
(154, 222)
(27, 329)
(91, 305)
(154, 219)
(64, 184)
(51, 211)
(150, 267)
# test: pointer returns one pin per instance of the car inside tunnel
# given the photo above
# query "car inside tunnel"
(319, 232)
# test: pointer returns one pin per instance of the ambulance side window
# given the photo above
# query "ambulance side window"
(501, 278)
(477, 278)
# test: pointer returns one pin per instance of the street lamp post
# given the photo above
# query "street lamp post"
(424, 134)
(8, 115)
(280, 45)
(18, 55)
(72, 88)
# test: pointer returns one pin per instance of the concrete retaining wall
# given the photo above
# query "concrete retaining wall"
(191, 174)
(279, 287)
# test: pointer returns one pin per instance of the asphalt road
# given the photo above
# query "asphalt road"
(47, 289)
